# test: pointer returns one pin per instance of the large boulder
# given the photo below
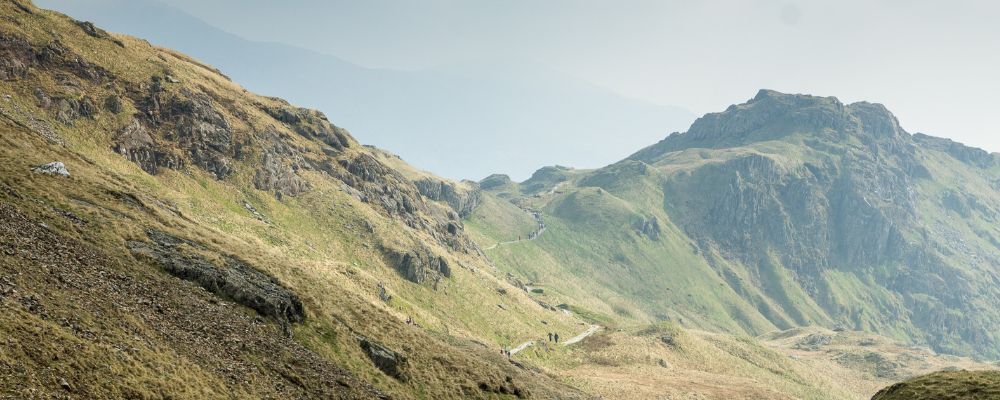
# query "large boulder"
(52, 168)
(390, 362)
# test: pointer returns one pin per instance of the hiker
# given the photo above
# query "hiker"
(557, 338)
(550, 336)
(409, 320)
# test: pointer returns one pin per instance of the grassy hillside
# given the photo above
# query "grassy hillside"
(253, 189)
(783, 212)
(789, 214)
(211, 243)
(956, 385)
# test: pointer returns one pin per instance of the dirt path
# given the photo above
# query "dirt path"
(532, 236)
(590, 331)
(523, 346)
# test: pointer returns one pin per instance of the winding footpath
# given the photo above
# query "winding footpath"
(532, 236)
(592, 329)
(576, 339)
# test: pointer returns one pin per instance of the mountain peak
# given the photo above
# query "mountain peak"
(773, 115)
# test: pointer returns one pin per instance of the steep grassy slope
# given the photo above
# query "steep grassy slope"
(786, 211)
(215, 238)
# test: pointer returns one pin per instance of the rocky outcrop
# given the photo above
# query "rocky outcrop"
(390, 362)
(311, 124)
(462, 200)
(235, 280)
(188, 120)
(18, 57)
(275, 175)
(854, 206)
(96, 32)
(648, 227)
(68, 110)
(388, 190)
(418, 265)
(969, 155)
(52, 168)
(136, 144)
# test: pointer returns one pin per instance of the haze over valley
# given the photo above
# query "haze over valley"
(388, 200)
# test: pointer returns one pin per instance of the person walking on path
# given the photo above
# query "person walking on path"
(557, 337)
(550, 336)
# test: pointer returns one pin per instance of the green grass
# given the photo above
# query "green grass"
(953, 385)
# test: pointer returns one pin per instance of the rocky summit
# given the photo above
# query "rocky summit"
(168, 234)
(788, 211)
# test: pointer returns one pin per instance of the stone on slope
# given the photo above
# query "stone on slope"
(52, 168)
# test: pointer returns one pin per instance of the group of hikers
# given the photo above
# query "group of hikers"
(553, 337)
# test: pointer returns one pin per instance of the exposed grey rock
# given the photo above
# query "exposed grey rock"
(96, 32)
(418, 265)
(69, 110)
(383, 293)
(235, 280)
(814, 341)
(969, 155)
(114, 104)
(18, 56)
(52, 168)
(390, 362)
(649, 227)
(274, 175)
(311, 124)
(136, 144)
(462, 201)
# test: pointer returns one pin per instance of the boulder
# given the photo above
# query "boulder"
(52, 168)
(385, 359)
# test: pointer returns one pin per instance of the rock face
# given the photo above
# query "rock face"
(235, 280)
(52, 168)
(811, 211)
(856, 204)
(388, 361)
(418, 265)
(649, 227)
(17, 57)
(386, 189)
(976, 157)
(136, 144)
(461, 200)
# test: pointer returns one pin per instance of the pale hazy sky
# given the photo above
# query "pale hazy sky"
(935, 64)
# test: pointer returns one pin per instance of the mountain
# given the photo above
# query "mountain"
(496, 115)
(168, 234)
(785, 211)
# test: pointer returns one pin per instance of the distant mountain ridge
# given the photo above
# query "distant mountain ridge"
(788, 210)
(493, 116)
